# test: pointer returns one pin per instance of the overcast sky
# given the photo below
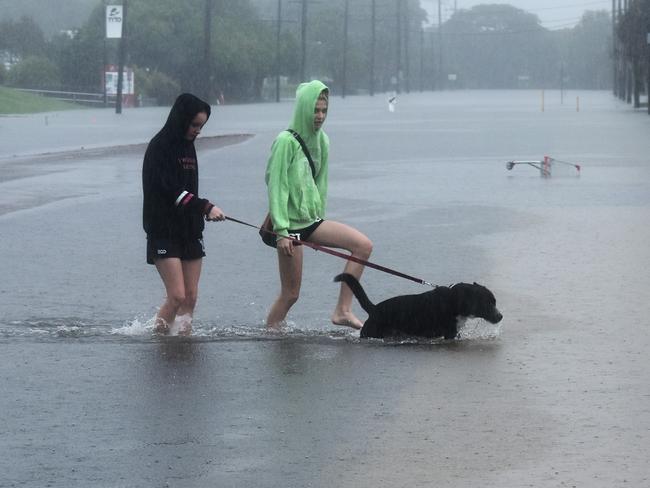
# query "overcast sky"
(554, 14)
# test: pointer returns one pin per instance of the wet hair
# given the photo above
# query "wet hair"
(324, 95)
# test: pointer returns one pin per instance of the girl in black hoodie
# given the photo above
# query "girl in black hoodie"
(173, 214)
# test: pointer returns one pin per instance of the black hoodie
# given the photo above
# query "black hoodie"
(170, 177)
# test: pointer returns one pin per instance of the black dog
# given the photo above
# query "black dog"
(433, 313)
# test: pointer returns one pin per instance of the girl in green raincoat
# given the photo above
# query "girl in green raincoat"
(297, 202)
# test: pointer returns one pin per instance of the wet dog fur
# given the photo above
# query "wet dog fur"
(434, 313)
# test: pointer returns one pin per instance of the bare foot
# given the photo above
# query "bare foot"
(347, 319)
(276, 327)
(185, 325)
(185, 329)
(161, 326)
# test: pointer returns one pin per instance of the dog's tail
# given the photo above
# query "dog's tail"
(358, 291)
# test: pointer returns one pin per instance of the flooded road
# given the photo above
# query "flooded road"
(555, 395)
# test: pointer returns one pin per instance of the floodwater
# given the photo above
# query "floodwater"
(556, 395)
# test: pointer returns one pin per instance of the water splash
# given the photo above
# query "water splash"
(136, 328)
(478, 329)
(141, 329)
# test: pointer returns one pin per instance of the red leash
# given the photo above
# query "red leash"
(348, 257)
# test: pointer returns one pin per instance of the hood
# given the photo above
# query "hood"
(303, 115)
(183, 111)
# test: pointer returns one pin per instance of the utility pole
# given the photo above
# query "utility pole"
(207, 51)
(614, 50)
(303, 43)
(373, 29)
(121, 61)
(104, 91)
(629, 73)
(621, 60)
(648, 71)
(345, 49)
(562, 83)
(421, 59)
(434, 72)
(104, 62)
(277, 52)
(440, 75)
(398, 46)
(407, 38)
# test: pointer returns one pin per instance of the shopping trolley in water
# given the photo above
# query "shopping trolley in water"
(548, 166)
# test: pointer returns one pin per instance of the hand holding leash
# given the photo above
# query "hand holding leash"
(215, 214)
(286, 246)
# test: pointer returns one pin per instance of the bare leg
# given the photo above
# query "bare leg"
(335, 234)
(191, 275)
(171, 273)
(290, 280)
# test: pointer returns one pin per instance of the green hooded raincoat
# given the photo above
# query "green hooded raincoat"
(296, 198)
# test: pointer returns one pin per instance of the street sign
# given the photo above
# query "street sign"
(114, 21)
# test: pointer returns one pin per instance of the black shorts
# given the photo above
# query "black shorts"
(167, 248)
(304, 234)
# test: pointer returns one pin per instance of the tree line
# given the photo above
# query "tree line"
(358, 46)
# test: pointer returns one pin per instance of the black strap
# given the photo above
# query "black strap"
(305, 150)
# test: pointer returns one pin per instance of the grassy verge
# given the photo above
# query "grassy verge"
(17, 102)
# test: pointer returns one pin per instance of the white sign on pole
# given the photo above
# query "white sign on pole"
(113, 21)
(128, 85)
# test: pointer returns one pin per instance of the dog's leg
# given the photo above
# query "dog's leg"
(450, 329)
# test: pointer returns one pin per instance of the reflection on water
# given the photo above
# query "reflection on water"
(177, 350)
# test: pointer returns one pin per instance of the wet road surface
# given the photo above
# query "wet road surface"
(556, 395)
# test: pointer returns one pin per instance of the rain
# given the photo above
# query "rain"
(499, 143)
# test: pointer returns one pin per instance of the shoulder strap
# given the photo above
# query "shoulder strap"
(305, 150)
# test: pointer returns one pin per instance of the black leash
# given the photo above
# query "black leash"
(348, 257)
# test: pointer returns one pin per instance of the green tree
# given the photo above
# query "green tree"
(156, 85)
(35, 72)
(325, 40)
(22, 38)
(587, 52)
(79, 57)
(168, 36)
(632, 31)
(244, 53)
(491, 46)
(51, 15)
